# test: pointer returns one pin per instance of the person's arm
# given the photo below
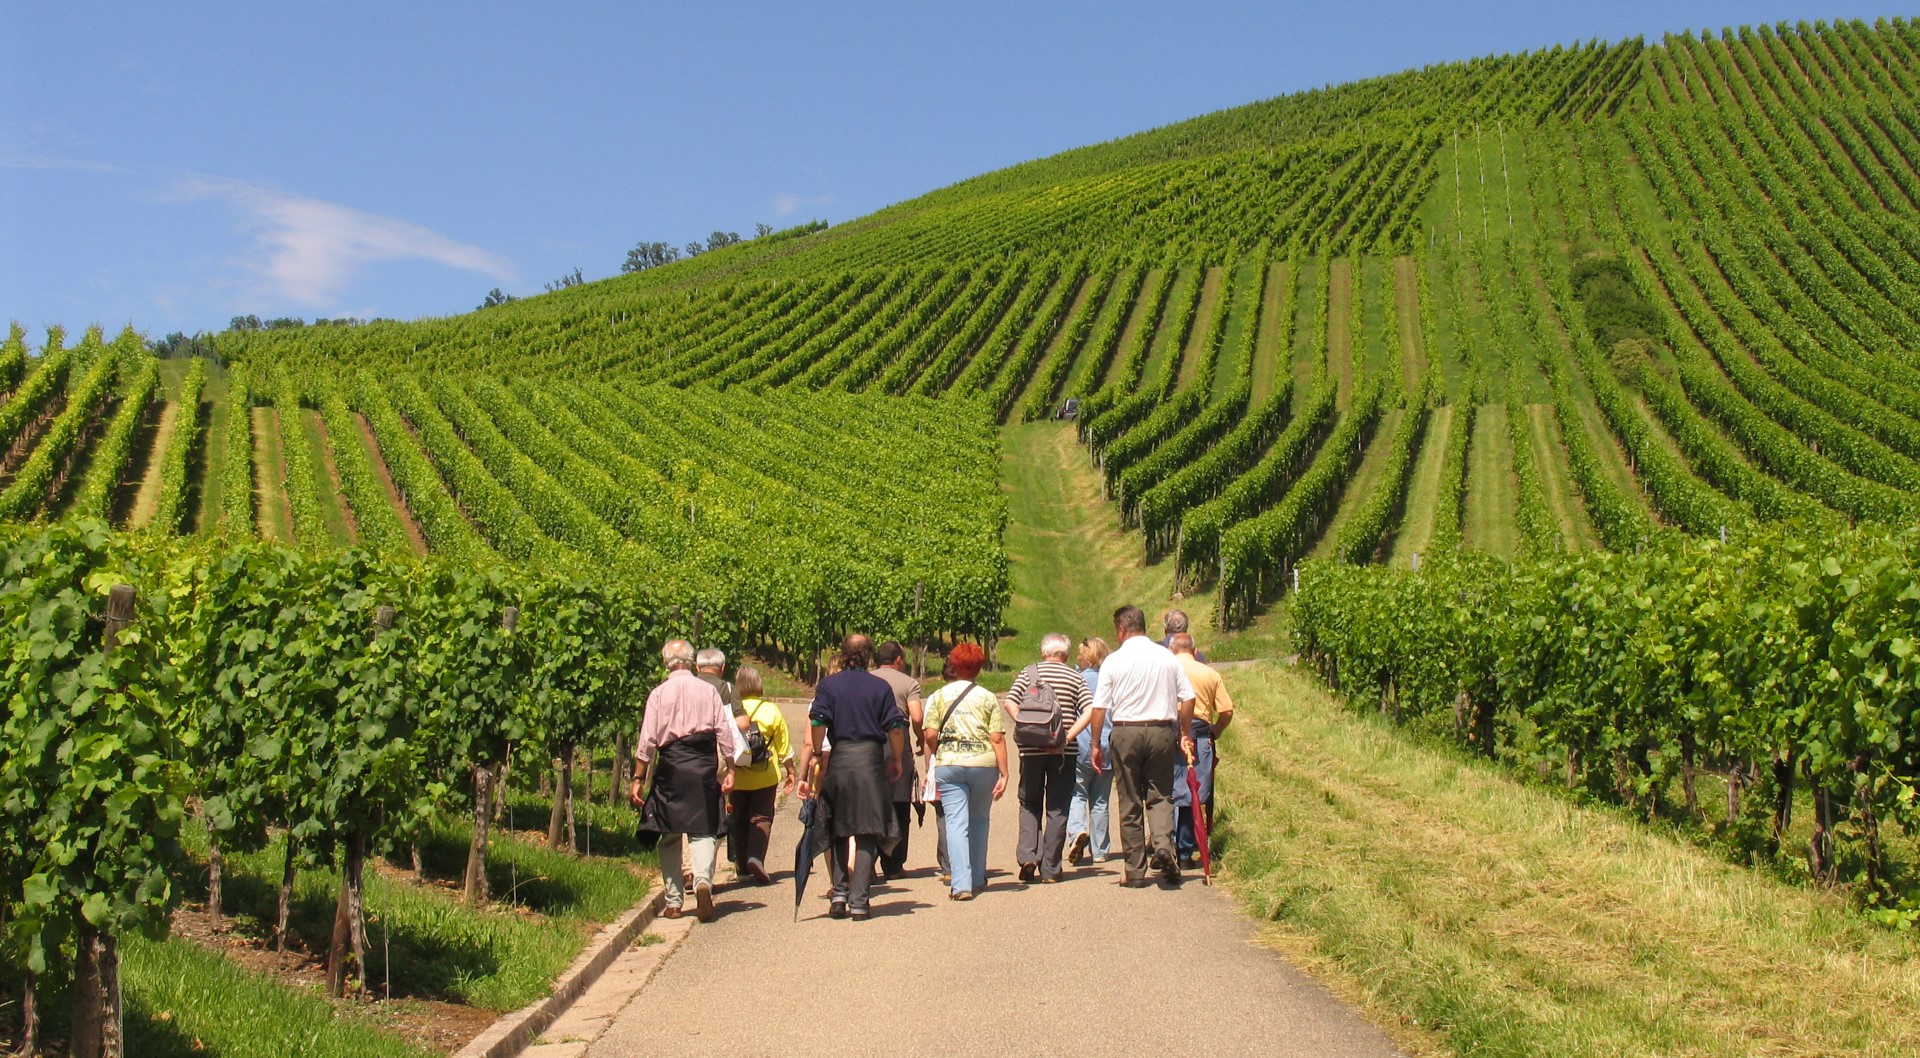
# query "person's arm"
(809, 749)
(780, 744)
(1086, 717)
(1016, 694)
(897, 763)
(1183, 690)
(1223, 705)
(643, 746)
(1000, 758)
(917, 716)
(1102, 703)
(1083, 712)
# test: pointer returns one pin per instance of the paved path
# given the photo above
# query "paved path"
(1085, 967)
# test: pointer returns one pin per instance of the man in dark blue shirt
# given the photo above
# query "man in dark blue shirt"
(854, 717)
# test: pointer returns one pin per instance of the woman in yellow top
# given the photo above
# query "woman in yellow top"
(966, 737)
(756, 786)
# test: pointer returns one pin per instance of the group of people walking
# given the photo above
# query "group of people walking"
(1087, 722)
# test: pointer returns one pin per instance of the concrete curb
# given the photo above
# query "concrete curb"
(513, 1033)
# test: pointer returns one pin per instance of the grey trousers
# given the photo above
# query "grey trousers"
(705, 849)
(852, 876)
(1046, 792)
(1143, 760)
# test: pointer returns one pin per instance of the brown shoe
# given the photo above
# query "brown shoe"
(703, 901)
(671, 912)
(758, 872)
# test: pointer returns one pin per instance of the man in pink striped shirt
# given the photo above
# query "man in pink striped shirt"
(691, 742)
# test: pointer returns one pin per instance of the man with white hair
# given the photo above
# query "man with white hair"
(684, 757)
(1052, 689)
(710, 665)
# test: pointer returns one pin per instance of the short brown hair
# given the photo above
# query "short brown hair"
(747, 682)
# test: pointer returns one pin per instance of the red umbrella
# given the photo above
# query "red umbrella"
(1200, 825)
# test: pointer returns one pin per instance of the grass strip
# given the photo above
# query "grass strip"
(1485, 916)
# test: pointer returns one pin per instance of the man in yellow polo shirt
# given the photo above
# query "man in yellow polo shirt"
(1212, 712)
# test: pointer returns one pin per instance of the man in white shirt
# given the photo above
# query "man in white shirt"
(1145, 692)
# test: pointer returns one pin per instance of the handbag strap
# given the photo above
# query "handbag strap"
(955, 704)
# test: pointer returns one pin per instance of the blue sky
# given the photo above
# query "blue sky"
(173, 165)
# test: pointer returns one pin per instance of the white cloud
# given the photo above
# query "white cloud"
(786, 203)
(308, 249)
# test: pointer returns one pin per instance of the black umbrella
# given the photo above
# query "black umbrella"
(805, 849)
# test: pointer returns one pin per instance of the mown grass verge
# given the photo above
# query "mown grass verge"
(1476, 914)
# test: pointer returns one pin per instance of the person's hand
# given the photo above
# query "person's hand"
(1000, 786)
(634, 795)
(895, 769)
(1186, 746)
(726, 781)
(803, 790)
(1099, 760)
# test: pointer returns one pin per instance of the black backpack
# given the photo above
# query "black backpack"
(758, 752)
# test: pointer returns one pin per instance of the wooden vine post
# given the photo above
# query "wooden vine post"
(919, 634)
(474, 892)
(347, 953)
(98, 1029)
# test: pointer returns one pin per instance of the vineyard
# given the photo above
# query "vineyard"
(1568, 401)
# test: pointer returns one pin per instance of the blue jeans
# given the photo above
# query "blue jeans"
(966, 796)
(1189, 843)
(1092, 790)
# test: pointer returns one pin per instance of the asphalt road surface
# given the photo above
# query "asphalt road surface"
(1084, 967)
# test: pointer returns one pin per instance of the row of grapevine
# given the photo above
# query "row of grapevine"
(13, 358)
(1365, 530)
(1780, 661)
(299, 462)
(1160, 509)
(140, 385)
(182, 453)
(1257, 553)
(43, 393)
(236, 486)
(36, 483)
(1069, 346)
(1256, 489)
(322, 695)
(376, 521)
(1017, 372)
(1045, 295)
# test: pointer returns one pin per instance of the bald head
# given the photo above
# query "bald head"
(678, 654)
(1180, 643)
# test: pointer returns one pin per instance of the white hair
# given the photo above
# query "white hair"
(1055, 644)
(712, 658)
(1174, 621)
(678, 654)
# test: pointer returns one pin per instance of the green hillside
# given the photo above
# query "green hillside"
(1563, 405)
(1666, 286)
(1503, 234)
